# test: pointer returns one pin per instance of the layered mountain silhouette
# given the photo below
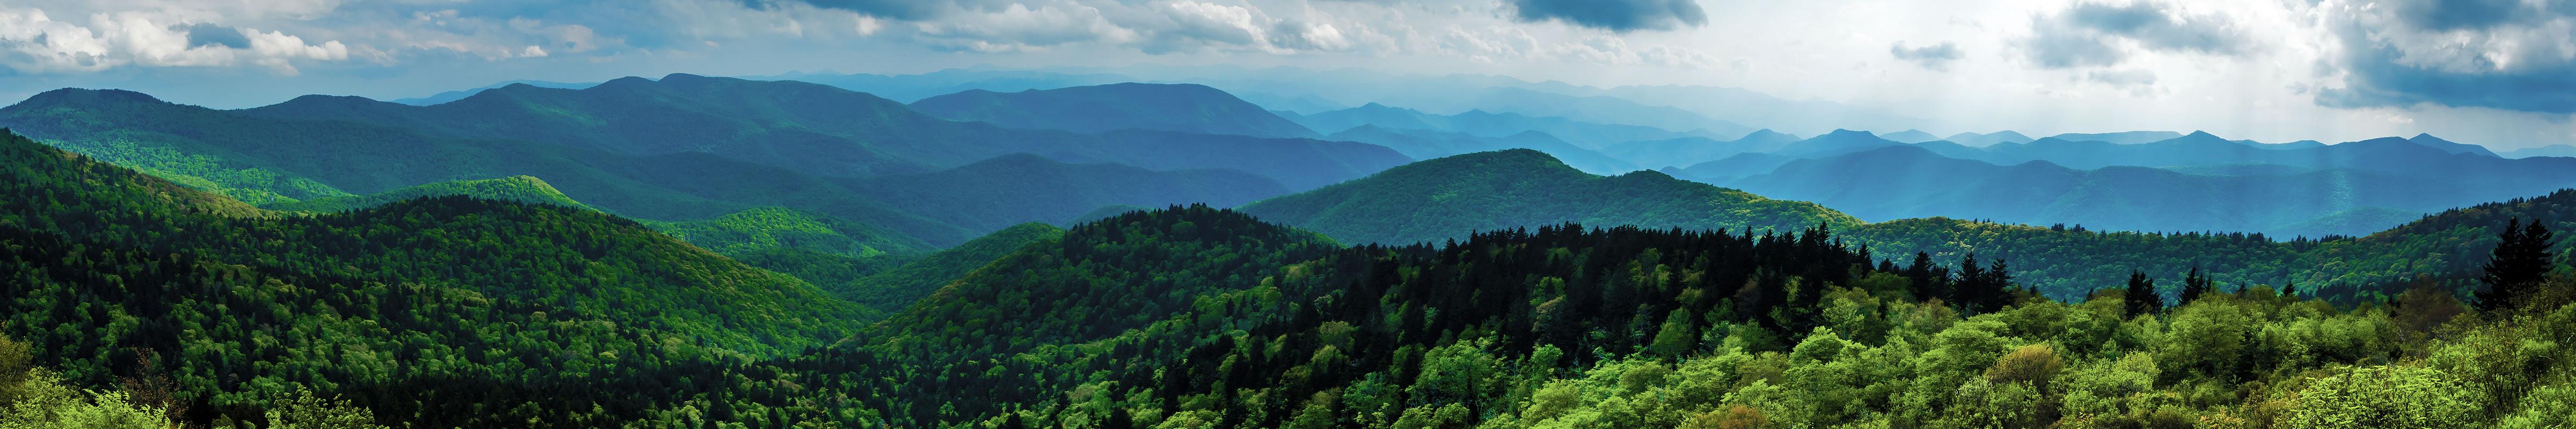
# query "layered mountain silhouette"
(1185, 108)
(1450, 197)
(1487, 124)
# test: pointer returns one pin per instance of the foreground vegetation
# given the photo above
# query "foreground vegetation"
(136, 302)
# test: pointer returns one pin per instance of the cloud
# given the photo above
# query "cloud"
(2502, 55)
(1613, 15)
(2098, 34)
(2446, 15)
(1195, 25)
(209, 34)
(1936, 57)
(1021, 28)
(33, 42)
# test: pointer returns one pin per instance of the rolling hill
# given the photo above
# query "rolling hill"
(1428, 144)
(522, 189)
(1185, 108)
(1451, 197)
(511, 300)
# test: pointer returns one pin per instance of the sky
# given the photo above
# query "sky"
(2501, 73)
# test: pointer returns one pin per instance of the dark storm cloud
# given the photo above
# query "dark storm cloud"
(2082, 36)
(2445, 15)
(2375, 78)
(1613, 15)
(2451, 57)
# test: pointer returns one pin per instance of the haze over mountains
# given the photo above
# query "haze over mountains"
(801, 141)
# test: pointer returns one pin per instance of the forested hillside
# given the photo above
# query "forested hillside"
(1188, 317)
(436, 312)
(1443, 199)
(1563, 326)
(515, 188)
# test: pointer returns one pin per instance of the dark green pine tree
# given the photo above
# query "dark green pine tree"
(2290, 288)
(1997, 289)
(1972, 280)
(2193, 287)
(2520, 261)
(1927, 285)
(2141, 296)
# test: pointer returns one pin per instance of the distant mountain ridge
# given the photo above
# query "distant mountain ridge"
(1487, 124)
(1428, 144)
(683, 147)
(1451, 197)
(448, 96)
(1904, 182)
(1186, 108)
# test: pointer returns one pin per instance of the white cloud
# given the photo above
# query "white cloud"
(37, 43)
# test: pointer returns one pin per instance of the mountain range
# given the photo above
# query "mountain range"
(1486, 124)
(683, 147)
(1186, 108)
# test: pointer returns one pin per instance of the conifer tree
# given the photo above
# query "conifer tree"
(2141, 295)
(2520, 260)
(2193, 287)
(1971, 284)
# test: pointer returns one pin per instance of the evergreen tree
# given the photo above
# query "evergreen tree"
(1997, 289)
(2193, 286)
(1926, 284)
(2520, 260)
(1972, 280)
(2141, 295)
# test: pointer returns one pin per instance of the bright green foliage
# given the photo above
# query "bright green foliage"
(2388, 397)
(778, 228)
(41, 401)
(303, 410)
(460, 312)
(492, 302)
(203, 172)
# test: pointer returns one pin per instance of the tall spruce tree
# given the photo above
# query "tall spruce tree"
(1997, 288)
(1927, 285)
(2141, 296)
(2520, 261)
(2193, 287)
(1969, 291)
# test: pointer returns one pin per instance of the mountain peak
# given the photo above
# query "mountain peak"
(80, 96)
(2428, 140)
(1843, 133)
